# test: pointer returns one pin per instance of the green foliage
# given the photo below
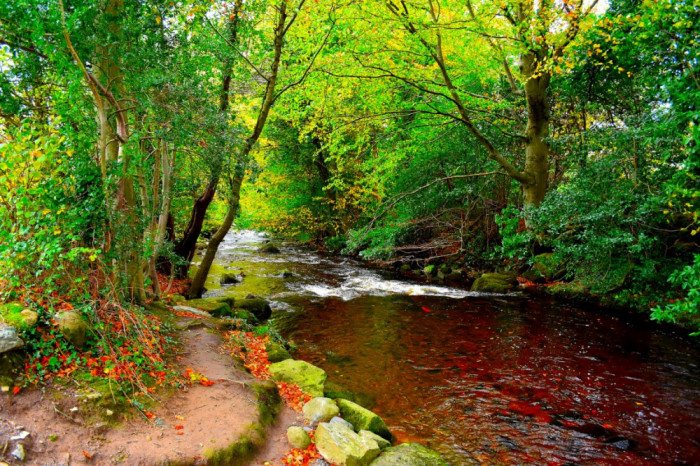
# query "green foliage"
(40, 234)
(687, 308)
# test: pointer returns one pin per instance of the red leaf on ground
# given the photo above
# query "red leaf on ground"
(425, 309)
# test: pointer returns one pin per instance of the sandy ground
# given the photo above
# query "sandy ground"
(213, 416)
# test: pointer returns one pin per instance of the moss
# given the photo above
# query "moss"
(269, 401)
(11, 314)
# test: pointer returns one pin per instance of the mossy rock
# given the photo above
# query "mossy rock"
(258, 306)
(269, 248)
(158, 306)
(276, 352)
(382, 442)
(430, 270)
(229, 279)
(73, 327)
(409, 454)
(309, 377)
(215, 306)
(363, 419)
(320, 409)
(495, 283)
(445, 269)
(548, 267)
(574, 291)
(338, 444)
(405, 268)
(298, 437)
(15, 315)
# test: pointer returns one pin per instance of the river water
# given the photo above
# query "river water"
(483, 379)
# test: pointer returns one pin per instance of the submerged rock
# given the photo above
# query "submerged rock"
(269, 248)
(73, 327)
(320, 409)
(298, 438)
(9, 340)
(338, 444)
(309, 377)
(363, 419)
(409, 454)
(259, 307)
(495, 283)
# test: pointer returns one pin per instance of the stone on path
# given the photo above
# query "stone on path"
(340, 445)
(363, 419)
(73, 327)
(320, 409)
(309, 377)
(340, 420)
(298, 438)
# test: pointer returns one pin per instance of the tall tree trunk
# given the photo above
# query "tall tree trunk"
(536, 147)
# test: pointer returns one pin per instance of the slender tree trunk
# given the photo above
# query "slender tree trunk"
(197, 287)
(188, 244)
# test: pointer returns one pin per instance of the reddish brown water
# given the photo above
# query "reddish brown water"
(491, 380)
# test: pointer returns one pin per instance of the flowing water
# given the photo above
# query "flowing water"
(483, 379)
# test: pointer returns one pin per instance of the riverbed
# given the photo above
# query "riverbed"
(481, 378)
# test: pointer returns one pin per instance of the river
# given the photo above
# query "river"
(483, 379)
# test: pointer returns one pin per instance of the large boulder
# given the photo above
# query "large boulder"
(363, 419)
(495, 283)
(73, 327)
(9, 340)
(258, 306)
(217, 307)
(307, 376)
(298, 437)
(320, 409)
(276, 352)
(340, 445)
(269, 248)
(409, 454)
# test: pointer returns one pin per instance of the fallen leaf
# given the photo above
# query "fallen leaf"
(15, 390)
(179, 418)
(87, 455)
(179, 427)
(425, 309)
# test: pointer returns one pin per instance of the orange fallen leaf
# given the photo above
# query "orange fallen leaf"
(15, 390)
(607, 426)
(179, 427)
(87, 455)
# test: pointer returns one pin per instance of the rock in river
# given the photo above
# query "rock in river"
(309, 377)
(258, 306)
(338, 444)
(409, 454)
(363, 419)
(495, 282)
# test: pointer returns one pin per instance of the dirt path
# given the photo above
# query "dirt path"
(211, 417)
